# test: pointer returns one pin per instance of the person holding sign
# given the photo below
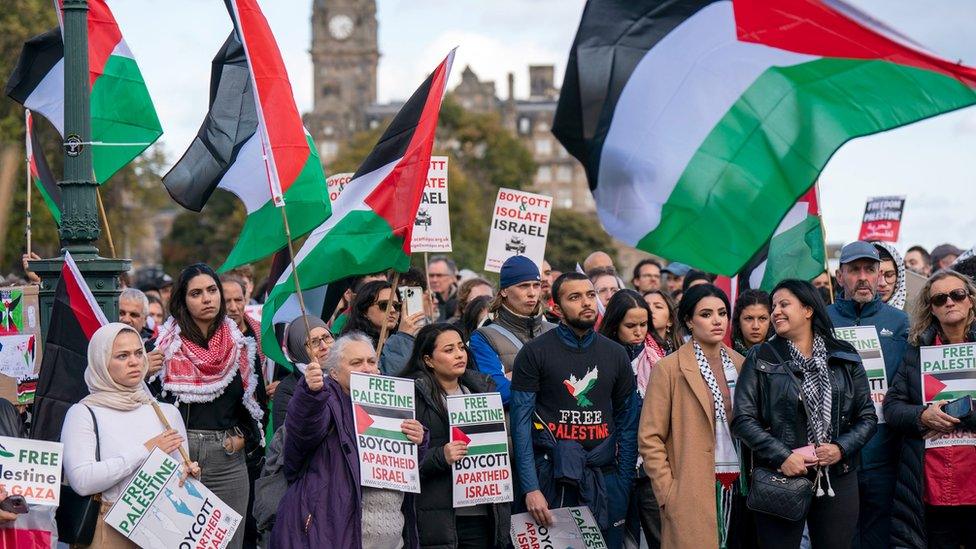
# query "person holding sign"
(109, 434)
(862, 273)
(806, 367)
(325, 506)
(440, 366)
(935, 494)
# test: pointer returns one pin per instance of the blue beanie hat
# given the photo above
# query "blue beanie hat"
(518, 269)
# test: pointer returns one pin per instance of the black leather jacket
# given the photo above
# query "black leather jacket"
(769, 417)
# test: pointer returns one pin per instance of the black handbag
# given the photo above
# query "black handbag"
(77, 516)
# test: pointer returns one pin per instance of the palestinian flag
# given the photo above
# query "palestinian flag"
(122, 114)
(380, 421)
(75, 316)
(372, 219)
(40, 173)
(700, 123)
(482, 438)
(796, 249)
(252, 143)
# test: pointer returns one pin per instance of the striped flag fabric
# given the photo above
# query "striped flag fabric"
(40, 173)
(380, 421)
(700, 123)
(483, 438)
(123, 118)
(372, 219)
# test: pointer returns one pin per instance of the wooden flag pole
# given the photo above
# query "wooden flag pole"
(389, 305)
(294, 273)
(165, 422)
(108, 230)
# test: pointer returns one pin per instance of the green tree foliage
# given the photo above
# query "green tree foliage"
(19, 20)
(207, 236)
(573, 236)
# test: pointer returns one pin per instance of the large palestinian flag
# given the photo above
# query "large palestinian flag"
(372, 220)
(123, 119)
(253, 144)
(75, 317)
(700, 123)
(40, 173)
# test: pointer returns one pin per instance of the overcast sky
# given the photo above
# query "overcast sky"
(931, 162)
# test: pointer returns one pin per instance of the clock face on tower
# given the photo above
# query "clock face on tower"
(340, 27)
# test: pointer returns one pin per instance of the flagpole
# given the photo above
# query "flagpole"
(389, 305)
(165, 422)
(823, 235)
(27, 155)
(108, 231)
(294, 272)
(429, 293)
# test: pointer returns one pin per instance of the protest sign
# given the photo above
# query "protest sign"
(882, 218)
(432, 226)
(154, 511)
(949, 372)
(20, 315)
(11, 311)
(865, 341)
(484, 475)
(31, 468)
(387, 458)
(17, 355)
(336, 183)
(572, 528)
(519, 226)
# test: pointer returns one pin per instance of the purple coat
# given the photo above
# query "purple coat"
(323, 504)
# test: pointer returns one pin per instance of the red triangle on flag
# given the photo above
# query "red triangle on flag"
(931, 386)
(457, 435)
(363, 419)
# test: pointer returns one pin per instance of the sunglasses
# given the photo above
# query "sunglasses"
(385, 303)
(958, 295)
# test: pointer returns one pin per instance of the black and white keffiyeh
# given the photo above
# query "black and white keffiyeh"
(816, 389)
(709, 377)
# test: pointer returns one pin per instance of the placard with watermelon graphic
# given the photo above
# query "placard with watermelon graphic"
(949, 372)
(484, 474)
(387, 459)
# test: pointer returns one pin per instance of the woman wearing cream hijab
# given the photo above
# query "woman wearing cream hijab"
(122, 407)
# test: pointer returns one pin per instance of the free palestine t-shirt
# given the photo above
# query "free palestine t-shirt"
(577, 387)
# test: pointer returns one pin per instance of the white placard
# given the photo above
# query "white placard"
(432, 226)
(17, 355)
(31, 468)
(519, 226)
(867, 344)
(948, 372)
(387, 459)
(335, 183)
(484, 474)
(572, 528)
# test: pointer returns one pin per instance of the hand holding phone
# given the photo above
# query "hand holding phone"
(961, 408)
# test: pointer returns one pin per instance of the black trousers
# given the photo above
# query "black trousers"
(877, 493)
(951, 527)
(831, 520)
(645, 511)
(474, 532)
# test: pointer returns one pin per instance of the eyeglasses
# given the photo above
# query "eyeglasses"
(890, 276)
(958, 295)
(385, 303)
(317, 342)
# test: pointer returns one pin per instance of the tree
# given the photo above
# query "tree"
(578, 235)
(207, 236)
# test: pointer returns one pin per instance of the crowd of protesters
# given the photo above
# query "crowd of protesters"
(656, 404)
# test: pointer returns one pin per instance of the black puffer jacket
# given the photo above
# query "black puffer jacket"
(435, 507)
(769, 417)
(902, 410)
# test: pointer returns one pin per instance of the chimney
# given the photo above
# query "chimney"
(511, 86)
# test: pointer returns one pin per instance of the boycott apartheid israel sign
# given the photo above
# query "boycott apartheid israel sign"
(31, 468)
(572, 528)
(387, 458)
(882, 218)
(155, 512)
(432, 226)
(336, 183)
(949, 372)
(865, 341)
(484, 475)
(519, 226)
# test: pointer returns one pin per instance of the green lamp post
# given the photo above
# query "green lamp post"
(79, 219)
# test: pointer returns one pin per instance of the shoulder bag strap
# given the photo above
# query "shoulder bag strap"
(98, 456)
(796, 383)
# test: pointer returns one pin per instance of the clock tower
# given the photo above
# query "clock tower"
(345, 54)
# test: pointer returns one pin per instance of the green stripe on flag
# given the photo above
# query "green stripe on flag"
(487, 449)
(53, 206)
(386, 433)
(121, 112)
(795, 253)
(771, 145)
(879, 373)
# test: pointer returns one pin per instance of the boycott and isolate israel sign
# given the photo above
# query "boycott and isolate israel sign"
(949, 372)
(484, 474)
(31, 468)
(882, 218)
(865, 341)
(387, 459)
(155, 512)
(519, 226)
(336, 183)
(572, 528)
(432, 226)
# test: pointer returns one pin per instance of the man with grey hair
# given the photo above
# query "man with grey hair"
(134, 311)
(443, 283)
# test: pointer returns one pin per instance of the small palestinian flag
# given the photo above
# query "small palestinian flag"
(948, 385)
(40, 173)
(700, 123)
(482, 438)
(26, 388)
(75, 317)
(380, 421)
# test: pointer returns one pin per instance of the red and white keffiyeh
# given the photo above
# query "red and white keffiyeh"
(645, 361)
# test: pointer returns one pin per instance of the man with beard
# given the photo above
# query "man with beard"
(861, 305)
(573, 404)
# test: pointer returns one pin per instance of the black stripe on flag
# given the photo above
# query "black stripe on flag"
(949, 376)
(382, 411)
(230, 122)
(612, 38)
(39, 55)
(48, 186)
(481, 428)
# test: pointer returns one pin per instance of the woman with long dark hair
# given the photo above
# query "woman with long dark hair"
(441, 366)
(665, 316)
(371, 310)
(209, 374)
(750, 320)
(684, 434)
(803, 407)
(628, 321)
(474, 315)
(935, 491)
